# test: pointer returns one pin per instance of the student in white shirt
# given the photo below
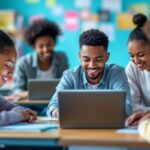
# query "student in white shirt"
(138, 70)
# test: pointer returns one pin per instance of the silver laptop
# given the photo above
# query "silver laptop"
(41, 89)
(80, 109)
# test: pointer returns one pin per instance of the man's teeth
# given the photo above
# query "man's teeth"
(93, 71)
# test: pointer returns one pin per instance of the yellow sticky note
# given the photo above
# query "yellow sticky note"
(50, 3)
(139, 8)
(7, 18)
(125, 21)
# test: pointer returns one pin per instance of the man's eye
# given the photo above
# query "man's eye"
(99, 59)
(86, 60)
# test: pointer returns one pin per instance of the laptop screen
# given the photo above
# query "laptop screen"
(41, 89)
(91, 108)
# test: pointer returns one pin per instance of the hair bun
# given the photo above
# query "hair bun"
(139, 19)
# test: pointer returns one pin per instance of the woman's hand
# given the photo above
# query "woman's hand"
(137, 118)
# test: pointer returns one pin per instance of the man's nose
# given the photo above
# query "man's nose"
(91, 64)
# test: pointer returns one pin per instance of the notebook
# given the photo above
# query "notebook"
(41, 89)
(28, 127)
(91, 109)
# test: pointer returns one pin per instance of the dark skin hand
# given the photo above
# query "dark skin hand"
(28, 115)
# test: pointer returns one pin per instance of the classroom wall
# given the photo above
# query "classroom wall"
(68, 42)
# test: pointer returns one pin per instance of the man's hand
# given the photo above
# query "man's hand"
(137, 118)
(28, 115)
(55, 112)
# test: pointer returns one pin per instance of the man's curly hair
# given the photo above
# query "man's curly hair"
(41, 28)
(94, 37)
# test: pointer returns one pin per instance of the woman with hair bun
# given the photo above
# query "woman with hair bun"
(138, 70)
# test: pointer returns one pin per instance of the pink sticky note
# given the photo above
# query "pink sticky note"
(71, 20)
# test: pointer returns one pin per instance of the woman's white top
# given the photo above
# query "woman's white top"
(139, 82)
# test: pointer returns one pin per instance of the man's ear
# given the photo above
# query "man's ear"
(107, 56)
(79, 54)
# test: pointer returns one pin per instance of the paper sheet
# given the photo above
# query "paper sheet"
(28, 127)
(128, 131)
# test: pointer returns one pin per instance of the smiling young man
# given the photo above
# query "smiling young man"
(93, 73)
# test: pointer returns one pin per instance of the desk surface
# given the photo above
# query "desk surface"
(101, 137)
(47, 138)
(67, 137)
(32, 102)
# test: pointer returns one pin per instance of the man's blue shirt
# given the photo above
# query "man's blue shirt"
(113, 77)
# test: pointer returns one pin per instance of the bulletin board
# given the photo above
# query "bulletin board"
(76, 16)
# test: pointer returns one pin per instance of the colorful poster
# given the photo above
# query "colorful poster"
(7, 18)
(104, 15)
(71, 20)
(109, 30)
(58, 10)
(125, 21)
(86, 25)
(32, 1)
(112, 5)
(85, 14)
(82, 3)
(139, 8)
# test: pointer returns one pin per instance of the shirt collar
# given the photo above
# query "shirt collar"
(55, 61)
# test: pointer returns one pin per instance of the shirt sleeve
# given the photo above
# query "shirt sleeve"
(63, 64)
(20, 79)
(120, 82)
(9, 113)
(137, 100)
(65, 83)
